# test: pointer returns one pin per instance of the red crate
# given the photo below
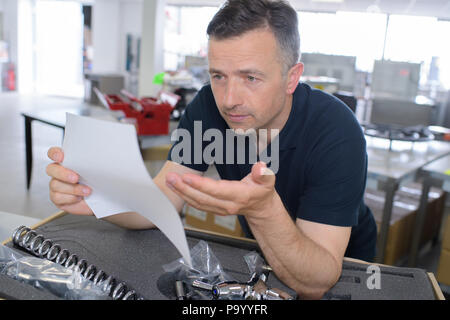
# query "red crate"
(153, 119)
(115, 102)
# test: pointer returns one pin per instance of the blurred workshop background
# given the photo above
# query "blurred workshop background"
(388, 60)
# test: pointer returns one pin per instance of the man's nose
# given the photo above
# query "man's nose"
(232, 95)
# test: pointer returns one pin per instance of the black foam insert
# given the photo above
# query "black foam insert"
(14, 290)
(137, 257)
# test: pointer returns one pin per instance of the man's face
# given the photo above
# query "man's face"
(247, 81)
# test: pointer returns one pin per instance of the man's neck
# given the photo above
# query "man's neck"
(272, 130)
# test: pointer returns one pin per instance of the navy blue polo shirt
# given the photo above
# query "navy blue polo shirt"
(322, 162)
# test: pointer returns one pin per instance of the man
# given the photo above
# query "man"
(307, 215)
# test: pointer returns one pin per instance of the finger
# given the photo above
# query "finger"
(80, 208)
(59, 172)
(197, 197)
(56, 154)
(202, 207)
(220, 189)
(61, 199)
(261, 174)
(69, 188)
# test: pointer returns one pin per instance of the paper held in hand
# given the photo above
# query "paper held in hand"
(106, 155)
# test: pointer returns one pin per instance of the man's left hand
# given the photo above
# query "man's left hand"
(251, 196)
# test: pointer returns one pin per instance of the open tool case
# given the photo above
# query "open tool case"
(137, 257)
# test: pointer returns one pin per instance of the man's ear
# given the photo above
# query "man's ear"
(294, 75)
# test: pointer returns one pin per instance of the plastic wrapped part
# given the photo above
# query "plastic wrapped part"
(8, 255)
(46, 275)
(255, 262)
(207, 280)
(205, 264)
(206, 268)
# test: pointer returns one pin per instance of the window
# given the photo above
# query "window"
(359, 34)
(443, 53)
(50, 47)
(416, 39)
(344, 33)
(185, 33)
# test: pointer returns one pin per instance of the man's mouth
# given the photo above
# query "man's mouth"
(237, 117)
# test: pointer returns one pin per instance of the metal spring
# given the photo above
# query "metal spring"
(44, 248)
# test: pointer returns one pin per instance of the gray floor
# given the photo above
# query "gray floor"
(14, 197)
(35, 203)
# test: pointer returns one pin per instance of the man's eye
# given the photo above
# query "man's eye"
(217, 76)
(251, 78)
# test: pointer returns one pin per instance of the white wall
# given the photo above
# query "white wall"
(152, 46)
(130, 23)
(112, 20)
(105, 36)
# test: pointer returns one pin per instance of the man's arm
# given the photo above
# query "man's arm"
(306, 256)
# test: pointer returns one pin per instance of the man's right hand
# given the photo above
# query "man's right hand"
(65, 191)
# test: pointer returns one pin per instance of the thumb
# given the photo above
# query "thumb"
(261, 174)
(56, 154)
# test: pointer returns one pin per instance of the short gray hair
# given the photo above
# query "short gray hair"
(237, 17)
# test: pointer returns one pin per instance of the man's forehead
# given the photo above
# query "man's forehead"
(244, 53)
(249, 39)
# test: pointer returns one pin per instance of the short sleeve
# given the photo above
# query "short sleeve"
(336, 179)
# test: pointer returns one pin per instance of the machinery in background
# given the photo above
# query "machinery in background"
(417, 133)
(325, 70)
(186, 96)
(395, 80)
(402, 112)
(329, 85)
(395, 100)
(397, 112)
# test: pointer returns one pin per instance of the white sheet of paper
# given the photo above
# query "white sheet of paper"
(106, 155)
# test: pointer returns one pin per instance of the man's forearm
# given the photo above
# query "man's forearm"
(130, 220)
(298, 261)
